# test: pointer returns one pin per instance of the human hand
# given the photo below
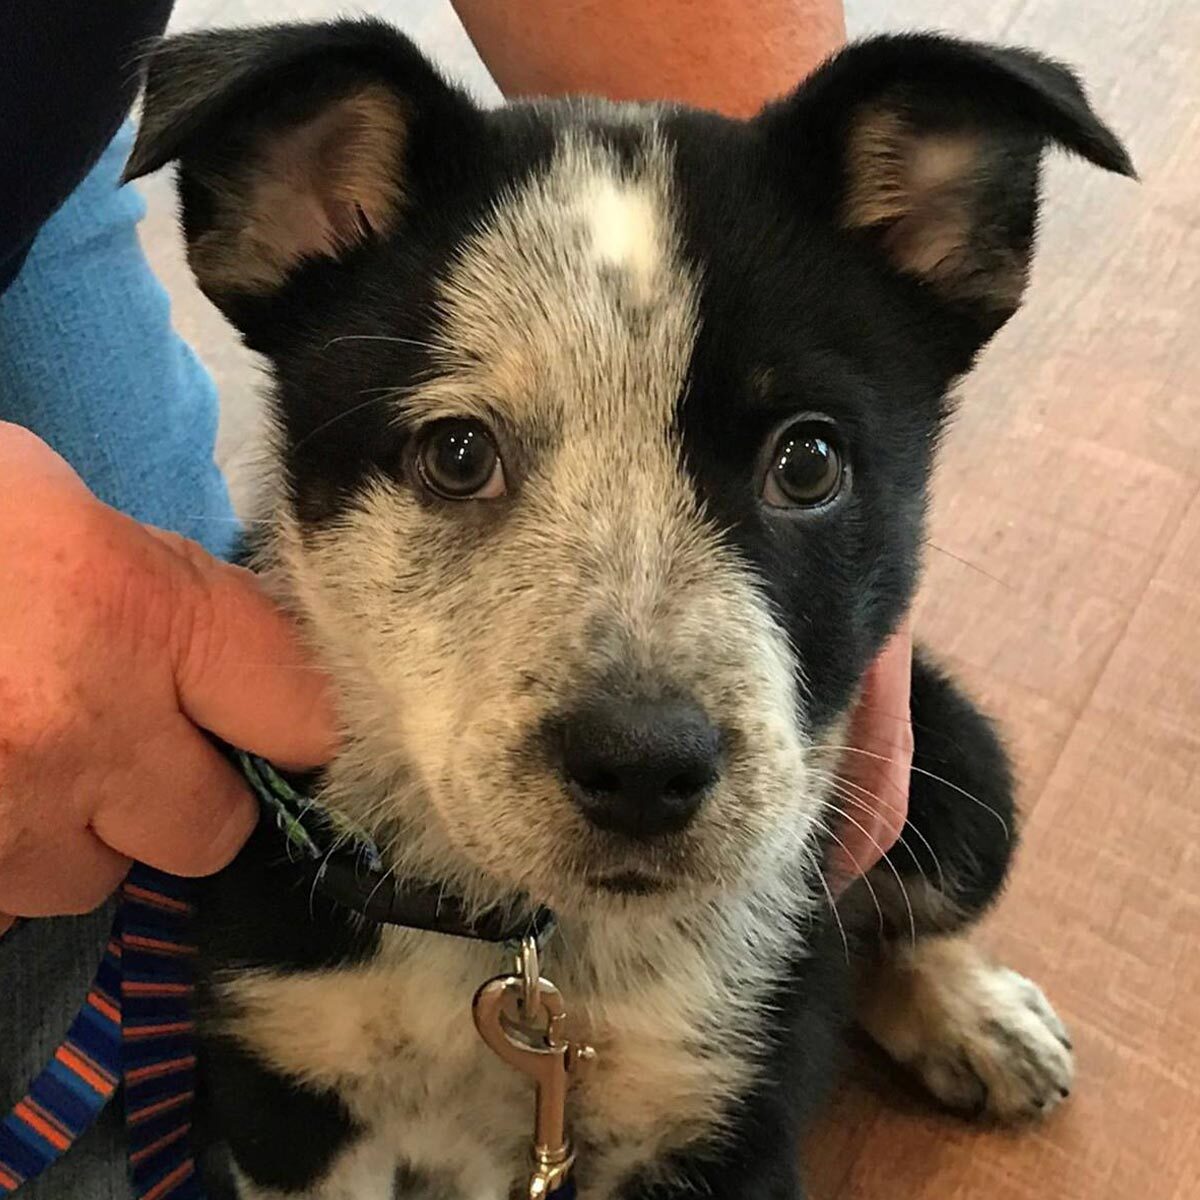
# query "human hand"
(119, 644)
(876, 768)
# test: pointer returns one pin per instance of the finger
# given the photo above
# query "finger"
(882, 724)
(883, 714)
(27, 463)
(859, 847)
(881, 785)
(844, 869)
(878, 768)
(240, 667)
(80, 875)
(185, 811)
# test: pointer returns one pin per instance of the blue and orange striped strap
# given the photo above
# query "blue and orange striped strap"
(135, 1029)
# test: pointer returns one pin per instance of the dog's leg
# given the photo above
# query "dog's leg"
(983, 1038)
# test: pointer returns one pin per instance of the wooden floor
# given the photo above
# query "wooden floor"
(1063, 583)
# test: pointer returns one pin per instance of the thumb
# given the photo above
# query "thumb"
(240, 668)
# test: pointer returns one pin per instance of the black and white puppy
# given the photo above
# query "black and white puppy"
(602, 438)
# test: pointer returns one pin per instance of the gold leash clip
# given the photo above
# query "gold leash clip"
(522, 1018)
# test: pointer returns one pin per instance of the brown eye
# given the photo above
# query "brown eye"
(806, 467)
(458, 460)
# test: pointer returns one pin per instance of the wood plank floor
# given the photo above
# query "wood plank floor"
(1063, 584)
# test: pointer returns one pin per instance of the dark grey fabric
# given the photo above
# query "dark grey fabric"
(45, 970)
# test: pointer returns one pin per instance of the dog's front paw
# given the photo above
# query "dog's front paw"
(999, 1050)
(983, 1038)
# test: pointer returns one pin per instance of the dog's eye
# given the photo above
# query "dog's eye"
(806, 468)
(458, 460)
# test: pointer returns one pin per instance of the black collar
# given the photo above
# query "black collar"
(350, 871)
(379, 897)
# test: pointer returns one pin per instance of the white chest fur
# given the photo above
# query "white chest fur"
(673, 1012)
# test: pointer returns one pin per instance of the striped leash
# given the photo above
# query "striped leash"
(134, 1029)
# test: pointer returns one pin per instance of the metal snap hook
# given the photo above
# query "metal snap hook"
(521, 1017)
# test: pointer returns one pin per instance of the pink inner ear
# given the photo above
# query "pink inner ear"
(311, 191)
(919, 190)
(339, 174)
(355, 198)
(292, 224)
(938, 178)
(940, 160)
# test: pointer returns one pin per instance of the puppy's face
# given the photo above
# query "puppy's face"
(603, 433)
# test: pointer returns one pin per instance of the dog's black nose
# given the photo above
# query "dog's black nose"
(640, 768)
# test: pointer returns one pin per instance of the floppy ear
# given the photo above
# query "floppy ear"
(295, 143)
(929, 148)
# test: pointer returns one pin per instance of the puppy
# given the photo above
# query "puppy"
(602, 436)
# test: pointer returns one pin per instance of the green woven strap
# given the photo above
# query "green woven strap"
(307, 828)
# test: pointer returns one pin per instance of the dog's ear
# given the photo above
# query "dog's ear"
(295, 143)
(929, 148)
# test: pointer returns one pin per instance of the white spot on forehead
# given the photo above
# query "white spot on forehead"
(624, 225)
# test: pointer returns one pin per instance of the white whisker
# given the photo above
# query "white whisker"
(381, 337)
(912, 920)
(868, 805)
(860, 873)
(834, 910)
(930, 775)
(348, 412)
